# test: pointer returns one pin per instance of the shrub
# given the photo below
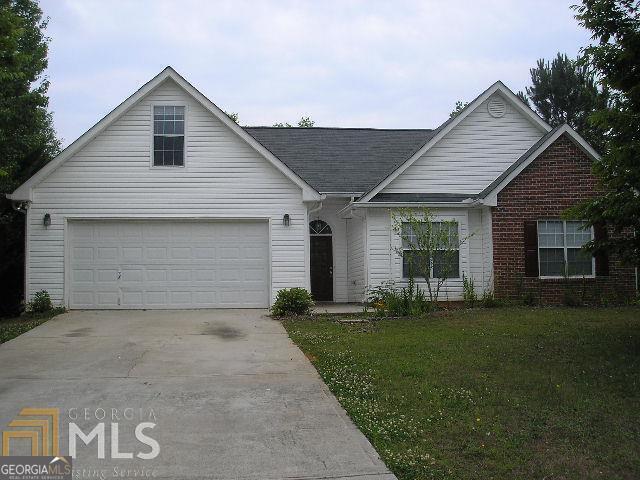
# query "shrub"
(570, 298)
(389, 301)
(469, 292)
(529, 299)
(292, 301)
(40, 303)
(489, 300)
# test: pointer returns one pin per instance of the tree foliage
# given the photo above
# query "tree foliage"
(427, 239)
(567, 91)
(27, 137)
(615, 56)
(457, 110)
(304, 122)
(233, 116)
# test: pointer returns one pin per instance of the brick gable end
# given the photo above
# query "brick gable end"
(557, 179)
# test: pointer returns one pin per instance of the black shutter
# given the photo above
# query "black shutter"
(602, 259)
(531, 249)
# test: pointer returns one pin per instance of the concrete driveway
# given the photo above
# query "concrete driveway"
(230, 396)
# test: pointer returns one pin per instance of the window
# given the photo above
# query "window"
(446, 259)
(560, 248)
(168, 136)
(319, 227)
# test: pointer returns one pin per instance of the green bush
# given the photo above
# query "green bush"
(389, 301)
(489, 300)
(469, 292)
(40, 303)
(571, 299)
(292, 301)
(529, 299)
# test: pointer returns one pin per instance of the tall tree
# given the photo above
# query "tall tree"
(27, 137)
(567, 91)
(615, 56)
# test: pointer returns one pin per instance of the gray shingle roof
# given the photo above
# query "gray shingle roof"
(341, 159)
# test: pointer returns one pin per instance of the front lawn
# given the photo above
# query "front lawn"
(10, 328)
(501, 393)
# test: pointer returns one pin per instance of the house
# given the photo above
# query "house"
(167, 203)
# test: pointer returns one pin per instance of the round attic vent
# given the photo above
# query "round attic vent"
(497, 108)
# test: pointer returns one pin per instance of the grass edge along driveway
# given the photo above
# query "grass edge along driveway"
(10, 328)
(496, 393)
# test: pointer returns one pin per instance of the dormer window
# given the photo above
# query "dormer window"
(168, 136)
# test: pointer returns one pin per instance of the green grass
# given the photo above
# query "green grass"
(502, 393)
(10, 328)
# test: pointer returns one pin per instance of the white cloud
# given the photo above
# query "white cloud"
(345, 63)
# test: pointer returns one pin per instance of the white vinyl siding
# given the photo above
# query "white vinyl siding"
(487, 250)
(356, 243)
(112, 177)
(470, 156)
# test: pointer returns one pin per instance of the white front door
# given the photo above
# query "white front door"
(168, 264)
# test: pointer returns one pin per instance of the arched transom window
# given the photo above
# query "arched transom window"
(319, 227)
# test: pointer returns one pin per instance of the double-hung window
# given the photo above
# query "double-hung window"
(168, 136)
(446, 254)
(560, 250)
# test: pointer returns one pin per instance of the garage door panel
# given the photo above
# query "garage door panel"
(168, 264)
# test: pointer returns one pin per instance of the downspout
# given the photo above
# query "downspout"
(314, 210)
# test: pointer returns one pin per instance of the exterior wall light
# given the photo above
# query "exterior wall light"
(286, 220)
(46, 221)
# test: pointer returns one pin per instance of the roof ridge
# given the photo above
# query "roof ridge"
(342, 128)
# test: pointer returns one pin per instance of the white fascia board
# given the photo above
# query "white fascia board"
(24, 192)
(496, 87)
(491, 199)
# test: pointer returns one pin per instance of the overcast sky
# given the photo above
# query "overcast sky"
(388, 64)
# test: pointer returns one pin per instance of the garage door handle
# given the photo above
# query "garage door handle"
(119, 275)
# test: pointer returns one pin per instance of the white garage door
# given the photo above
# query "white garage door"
(168, 264)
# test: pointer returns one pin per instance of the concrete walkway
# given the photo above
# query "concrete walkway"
(228, 392)
(330, 307)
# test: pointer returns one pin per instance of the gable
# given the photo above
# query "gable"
(114, 168)
(489, 195)
(189, 95)
(474, 153)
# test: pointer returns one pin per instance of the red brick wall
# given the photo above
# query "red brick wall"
(556, 180)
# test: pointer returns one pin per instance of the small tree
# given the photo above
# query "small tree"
(432, 246)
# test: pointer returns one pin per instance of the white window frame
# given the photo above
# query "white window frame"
(152, 133)
(431, 259)
(564, 248)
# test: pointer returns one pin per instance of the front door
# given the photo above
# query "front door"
(321, 261)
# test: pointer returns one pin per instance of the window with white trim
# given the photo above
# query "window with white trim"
(168, 136)
(560, 250)
(446, 260)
